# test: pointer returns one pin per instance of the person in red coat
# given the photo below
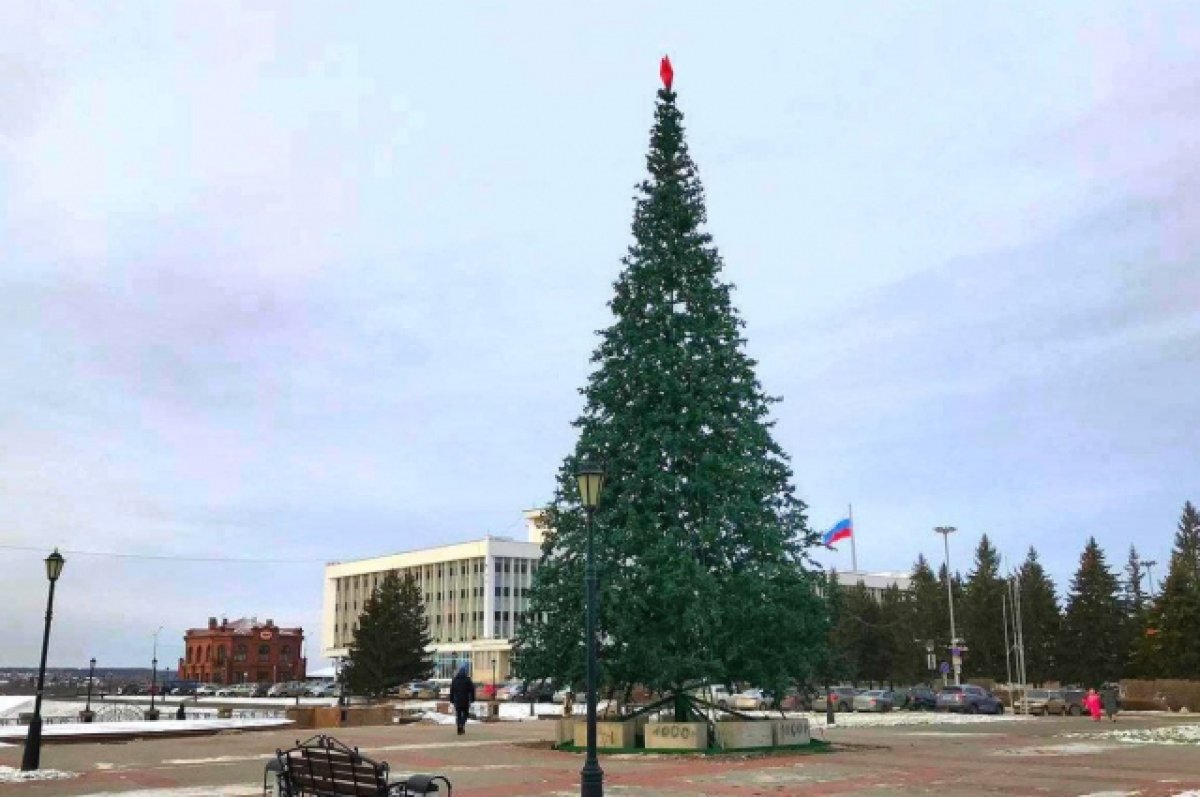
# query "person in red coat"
(1094, 705)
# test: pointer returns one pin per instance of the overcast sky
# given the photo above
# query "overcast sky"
(280, 281)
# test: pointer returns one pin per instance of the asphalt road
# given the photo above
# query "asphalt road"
(1042, 757)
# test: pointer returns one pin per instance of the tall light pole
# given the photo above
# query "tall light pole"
(591, 482)
(1149, 565)
(32, 757)
(956, 659)
(152, 714)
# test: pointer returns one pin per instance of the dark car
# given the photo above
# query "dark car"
(969, 699)
(920, 698)
(1073, 701)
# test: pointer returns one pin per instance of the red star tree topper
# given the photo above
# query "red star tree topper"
(666, 72)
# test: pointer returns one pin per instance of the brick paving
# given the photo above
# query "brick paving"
(1004, 758)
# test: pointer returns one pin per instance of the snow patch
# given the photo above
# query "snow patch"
(12, 775)
(1073, 748)
(1165, 734)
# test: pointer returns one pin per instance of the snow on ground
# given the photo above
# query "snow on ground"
(896, 718)
(140, 728)
(1165, 734)
(13, 775)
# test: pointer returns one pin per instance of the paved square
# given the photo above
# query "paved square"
(1044, 756)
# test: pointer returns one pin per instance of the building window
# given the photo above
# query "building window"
(264, 653)
(285, 652)
(497, 592)
(239, 653)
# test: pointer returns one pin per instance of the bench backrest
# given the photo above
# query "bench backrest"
(330, 771)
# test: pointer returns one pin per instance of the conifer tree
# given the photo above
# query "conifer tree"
(1137, 610)
(904, 653)
(1092, 645)
(983, 615)
(1170, 643)
(1041, 619)
(700, 539)
(391, 641)
(930, 616)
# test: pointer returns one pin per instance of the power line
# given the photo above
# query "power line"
(170, 558)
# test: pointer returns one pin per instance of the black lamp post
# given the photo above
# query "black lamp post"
(87, 710)
(591, 777)
(32, 757)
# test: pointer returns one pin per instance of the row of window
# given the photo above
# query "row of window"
(196, 654)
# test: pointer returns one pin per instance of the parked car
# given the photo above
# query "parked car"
(841, 697)
(715, 693)
(228, 690)
(1041, 701)
(920, 698)
(561, 695)
(970, 699)
(287, 689)
(797, 700)
(417, 689)
(752, 700)
(1073, 701)
(206, 690)
(874, 700)
(322, 689)
(537, 691)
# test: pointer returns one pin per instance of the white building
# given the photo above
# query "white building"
(875, 582)
(475, 594)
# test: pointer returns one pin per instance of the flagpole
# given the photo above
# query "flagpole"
(853, 552)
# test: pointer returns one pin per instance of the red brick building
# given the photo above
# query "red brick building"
(242, 651)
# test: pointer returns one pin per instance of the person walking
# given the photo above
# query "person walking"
(1093, 704)
(462, 695)
(1109, 699)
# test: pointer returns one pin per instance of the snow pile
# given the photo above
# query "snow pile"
(1166, 734)
(891, 719)
(11, 775)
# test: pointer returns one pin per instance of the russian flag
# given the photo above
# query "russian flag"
(844, 530)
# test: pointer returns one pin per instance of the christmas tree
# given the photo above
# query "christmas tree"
(390, 640)
(1041, 620)
(1092, 646)
(700, 539)
(1170, 645)
(983, 614)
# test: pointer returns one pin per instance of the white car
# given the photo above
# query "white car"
(715, 693)
(751, 700)
(206, 690)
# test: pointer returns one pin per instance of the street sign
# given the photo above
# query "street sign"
(945, 668)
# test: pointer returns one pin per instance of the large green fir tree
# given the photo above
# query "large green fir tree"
(1092, 646)
(1170, 644)
(930, 619)
(1041, 619)
(391, 639)
(982, 626)
(700, 539)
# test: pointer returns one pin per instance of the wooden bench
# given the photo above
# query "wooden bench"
(324, 767)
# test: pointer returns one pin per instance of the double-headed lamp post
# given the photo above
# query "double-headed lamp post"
(955, 658)
(32, 757)
(591, 482)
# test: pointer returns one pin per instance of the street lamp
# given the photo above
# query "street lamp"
(591, 482)
(955, 658)
(87, 710)
(152, 714)
(32, 757)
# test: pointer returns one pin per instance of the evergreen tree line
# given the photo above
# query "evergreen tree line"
(1109, 625)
